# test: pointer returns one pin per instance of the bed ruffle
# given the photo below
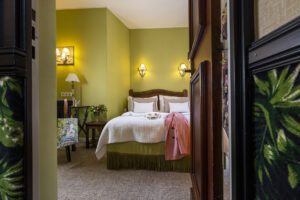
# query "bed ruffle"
(133, 155)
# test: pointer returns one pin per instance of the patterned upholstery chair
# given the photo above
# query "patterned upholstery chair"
(67, 132)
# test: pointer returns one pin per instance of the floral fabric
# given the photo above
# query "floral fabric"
(67, 132)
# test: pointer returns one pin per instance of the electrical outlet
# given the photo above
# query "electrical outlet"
(66, 94)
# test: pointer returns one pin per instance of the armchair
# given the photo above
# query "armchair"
(67, 132)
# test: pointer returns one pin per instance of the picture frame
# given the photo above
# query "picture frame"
(197, 24)
(65, 55)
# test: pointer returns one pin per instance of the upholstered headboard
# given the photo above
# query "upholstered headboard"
(157, 92)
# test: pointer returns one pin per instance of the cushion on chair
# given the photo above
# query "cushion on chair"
(67, 132)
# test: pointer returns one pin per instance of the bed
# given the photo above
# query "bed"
(135, 141)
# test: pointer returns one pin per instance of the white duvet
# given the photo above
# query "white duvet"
(132, 127)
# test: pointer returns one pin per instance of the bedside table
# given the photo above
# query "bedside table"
(75, 112)
(94, 126)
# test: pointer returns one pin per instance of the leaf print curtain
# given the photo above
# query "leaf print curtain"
(11, 138)
(276, 115)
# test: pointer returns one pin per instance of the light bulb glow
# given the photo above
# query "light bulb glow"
(142, 70)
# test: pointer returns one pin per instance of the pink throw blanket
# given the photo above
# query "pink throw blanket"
(178, 142)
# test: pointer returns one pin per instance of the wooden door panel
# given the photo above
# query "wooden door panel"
(199, 133)
(206, 99)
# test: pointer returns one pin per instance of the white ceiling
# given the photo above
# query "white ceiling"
(138, 14)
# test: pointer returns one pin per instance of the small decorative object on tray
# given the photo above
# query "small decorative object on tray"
(98, 112)
(152, 116)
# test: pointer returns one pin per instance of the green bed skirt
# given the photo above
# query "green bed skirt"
(134, 155)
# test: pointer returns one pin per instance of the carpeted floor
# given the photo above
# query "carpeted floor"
(85, 178)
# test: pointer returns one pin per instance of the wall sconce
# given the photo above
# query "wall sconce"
(142, 70)
(183, 69)
(65, 56)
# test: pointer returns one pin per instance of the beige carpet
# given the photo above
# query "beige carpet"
(85, 178)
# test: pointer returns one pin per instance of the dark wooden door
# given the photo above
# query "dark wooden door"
(15, 101)
(199, 173)
(265, 120)
(206, 103)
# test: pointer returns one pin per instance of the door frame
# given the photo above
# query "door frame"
(248, 56)
(16, 61)
(241, 31)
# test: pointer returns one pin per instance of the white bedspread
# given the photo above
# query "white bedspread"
(132, 127)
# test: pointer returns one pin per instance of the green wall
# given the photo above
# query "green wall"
(118, 60)
(107, 55)
(101, 44)
(162, 51)
(85, 29)
(47, 102)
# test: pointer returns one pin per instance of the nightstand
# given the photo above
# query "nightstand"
(94, 126)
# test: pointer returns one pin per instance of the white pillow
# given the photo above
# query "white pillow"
(162, 101)
(179, 107)
(142, 107)
(142, 100)
(168, 101)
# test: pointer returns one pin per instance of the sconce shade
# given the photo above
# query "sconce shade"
(182, 69)
(142, 70)
(72, 77)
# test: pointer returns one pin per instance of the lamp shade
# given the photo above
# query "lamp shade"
(142, 70)
(72, 77)
(182, 69)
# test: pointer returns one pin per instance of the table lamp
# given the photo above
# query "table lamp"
(72, 78)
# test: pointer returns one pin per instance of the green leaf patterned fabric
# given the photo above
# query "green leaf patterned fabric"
(11, 138)
(276, 118)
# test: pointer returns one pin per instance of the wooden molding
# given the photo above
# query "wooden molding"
(196, 33)
(276, 44)
(157, 92)
(195, 193)
(199, 133)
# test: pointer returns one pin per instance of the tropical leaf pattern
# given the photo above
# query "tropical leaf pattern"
(11, 180)
(11, 139)
(276, 115)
